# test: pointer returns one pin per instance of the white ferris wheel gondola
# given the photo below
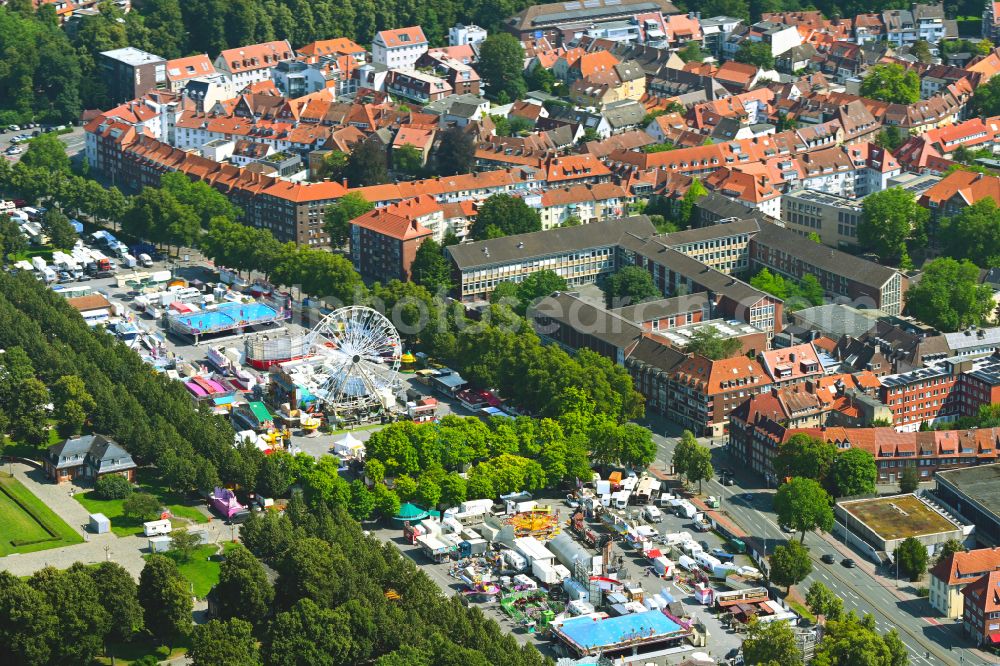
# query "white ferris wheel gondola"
(359, 352)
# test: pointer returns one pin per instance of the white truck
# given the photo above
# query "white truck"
(652, 514)
(145, 260)
(685, 509)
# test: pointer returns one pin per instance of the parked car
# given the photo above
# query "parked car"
(747, 497)
(14, 128)
(828, 558)
(572, 502)
(849, 563)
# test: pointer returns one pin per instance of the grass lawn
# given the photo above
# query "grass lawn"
(126, 653)
(30, 451)
(201, 570)
(178, 506)
(43, 252)
(23, 517)
(801, 610)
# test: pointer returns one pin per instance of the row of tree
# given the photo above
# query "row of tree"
(797, 294)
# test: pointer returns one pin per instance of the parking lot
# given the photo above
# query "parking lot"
(635, 567)
(73, 139)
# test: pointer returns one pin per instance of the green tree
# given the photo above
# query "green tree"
(362, 501)
(525, 294)
(912, 558)
(541, 78)
(683, 211)
(408, 160)
(243, 590)
(699, 465)
(62, 235)
(890, 138)
(12, 241)
(28, 623)
(684, 451)
(755, 53)
(949, 296)
(501, 65)
(974, 234)
(504, 215)
(804, 456)
(890, 218)
(891, 83)
(790, 564)
(921, 50)
(333, 166)
(72, 403)
(338, 216)
(707, 341)
(141, 506)
(456, 152)
(628, 286)
(165, 598)
(853, 641)
(986, 99)
(453, 490)
(277, 474)
(853, 472)
(949, 548)
(183, 543)
(387, 502)
(692, 52)
(367, 164)
(112, 486)
(803, 505)
(46, 153)
(771, 643)
(430, 269)
(822, 601)
(119, 595)
(82, 620)
(909, 480)
(224, 643)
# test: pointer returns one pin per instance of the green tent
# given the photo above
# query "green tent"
(410, 512)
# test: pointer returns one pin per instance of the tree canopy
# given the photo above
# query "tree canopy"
(707, 341)
(501, 65)
(338, 216)
(853, 472)
(891, 83)
(889, 219)
(629, 286)
(974, 234)
(912, 557)
(949, 296)
(430, 268)
(790, 564)
(755, 53)
(803, 505)
(504, 215)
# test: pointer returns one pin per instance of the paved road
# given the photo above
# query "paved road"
(864, 589)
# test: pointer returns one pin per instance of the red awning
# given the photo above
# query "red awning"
(995, 638)
(653, 554)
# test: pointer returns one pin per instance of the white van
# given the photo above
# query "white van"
(652, 514)
(157, 527)
(145, 260)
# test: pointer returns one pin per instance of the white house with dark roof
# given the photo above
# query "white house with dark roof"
(88, 457)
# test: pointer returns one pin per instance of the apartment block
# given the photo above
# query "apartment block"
(833, 218)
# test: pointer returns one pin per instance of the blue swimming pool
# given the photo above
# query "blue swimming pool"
(588, 633)
(226, 316)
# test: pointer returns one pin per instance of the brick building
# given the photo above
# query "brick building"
(950, 576)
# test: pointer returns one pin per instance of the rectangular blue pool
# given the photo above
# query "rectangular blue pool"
(589, 634)
(225, 316)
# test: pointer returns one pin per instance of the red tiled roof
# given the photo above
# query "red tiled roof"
(961, 567)
(403, 36)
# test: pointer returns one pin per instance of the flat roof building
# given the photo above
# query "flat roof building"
(885, 522)
(130, 72)
(975, 494)
(833, 218)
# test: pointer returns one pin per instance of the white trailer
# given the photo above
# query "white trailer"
(157, 527)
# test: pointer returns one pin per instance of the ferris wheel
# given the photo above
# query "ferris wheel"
(357, 351)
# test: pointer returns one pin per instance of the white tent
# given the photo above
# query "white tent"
(349, 446)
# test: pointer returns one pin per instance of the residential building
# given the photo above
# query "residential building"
(580, 254)
(555, 20)
(833, 218)
(400, 48)
(791, 366)
(991, 21)
(585, 203)
(951, 575)
(88, 458)
(417, 86)
(466, 35)
(981, 612)
(974, 493)
(778, 36)
(716, 31)
(959, 190)
(900, 28)
(384, 241)
(723, 246)
(181, 70)
(864, 282)
(130, 73)
(930, 23)
(246, 65)
(888, 348)
(703, 392)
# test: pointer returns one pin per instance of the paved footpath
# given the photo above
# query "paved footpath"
(126, 551)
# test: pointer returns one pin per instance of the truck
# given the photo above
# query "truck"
(737, 541)
(156, 527)
(128, 261)
(104, 267)
(615, 479)
(545, 572)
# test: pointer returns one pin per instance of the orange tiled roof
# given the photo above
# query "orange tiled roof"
(960, 567)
